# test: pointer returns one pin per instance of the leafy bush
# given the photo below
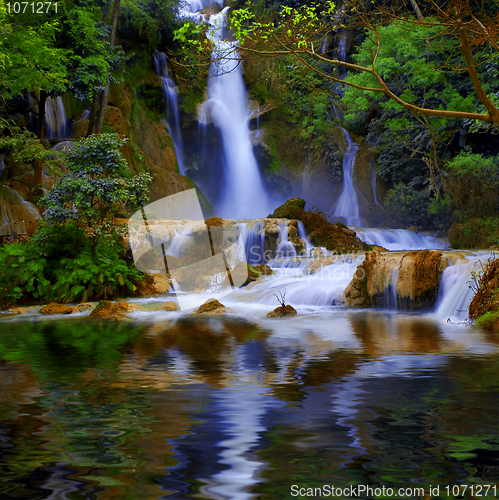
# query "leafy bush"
(34, 272)
(407, 207)
(473, 184)
(475, 233)
(488, 320)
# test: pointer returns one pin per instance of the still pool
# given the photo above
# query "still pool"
(231, 408)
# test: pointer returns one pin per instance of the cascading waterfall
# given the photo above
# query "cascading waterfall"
(390, 294)
(373, 183)
(170, 92)
(243, 195)
(2, 166)
(455, 294)
(56, 121)
(303, 235)
(285, 248)
(253, 235)
(400, 239)
(348, 206)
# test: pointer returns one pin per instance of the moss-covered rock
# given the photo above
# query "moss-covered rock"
(485, 304)
(256, 272)
(321, 233)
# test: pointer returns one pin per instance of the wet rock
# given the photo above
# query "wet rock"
(86, 306)
(21, 310)
(257, 272)
(167, 306)
(211, 306)
(418, 278)
(154, 284)
(106, 309)
(321, 233)
(281, 312)
(50, 309)
(484, 308)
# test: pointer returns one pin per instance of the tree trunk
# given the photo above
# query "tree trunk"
(38, 165)
(415, 6)
(105, 95)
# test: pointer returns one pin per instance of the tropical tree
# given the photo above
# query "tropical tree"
(97, 182)
(471, 33)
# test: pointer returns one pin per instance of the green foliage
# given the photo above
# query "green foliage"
(149, 22)
(24, 146)
(97, 181)
(473, 184)
(407, 207)
(62, 349)
(488, 320)
(56, 52)
(60, 264)
(475, 233)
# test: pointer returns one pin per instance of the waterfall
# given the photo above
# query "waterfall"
(400, 239)
(373, 182)
(170, 92)
(348, 206)
(285, 248)
(303, 235)
(390, 293)
(254, 242)
(56, 121)
(455, 294)
(243, 195)
(2, 166)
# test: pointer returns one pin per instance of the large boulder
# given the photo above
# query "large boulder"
(417, 276)
(211, 306)
(321, 233)
(484, 308)
(51, 309)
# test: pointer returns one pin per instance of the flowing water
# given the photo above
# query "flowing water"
(348, 205)
(242, 195)
(231, 408)
(170, 92)
(56, 120)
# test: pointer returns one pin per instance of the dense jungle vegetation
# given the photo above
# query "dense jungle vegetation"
(419, 87)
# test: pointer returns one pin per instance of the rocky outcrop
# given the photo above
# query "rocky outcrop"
(17, 216)
(211, 306)
(167, 306)
(321, 233)
(257, 272)
(413, 276)
(484, 308)
(106, 309)
(282, 311)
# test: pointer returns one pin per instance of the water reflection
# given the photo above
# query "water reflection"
(228, 408)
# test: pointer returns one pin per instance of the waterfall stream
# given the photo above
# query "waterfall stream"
(173, 118)
(56, 121)
(242, 193)
(348, 205)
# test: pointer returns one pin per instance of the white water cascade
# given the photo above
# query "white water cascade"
(373, 183)
(348, 205)
(455, 293)
(243, 195)
(170, 92)
(56, 121)
(400, 239)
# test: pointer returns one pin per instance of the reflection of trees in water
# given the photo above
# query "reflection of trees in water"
(103, 408)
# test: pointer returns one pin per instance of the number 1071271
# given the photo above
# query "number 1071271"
(33, 7)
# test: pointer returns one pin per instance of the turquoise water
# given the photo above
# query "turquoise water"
(239, 409)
